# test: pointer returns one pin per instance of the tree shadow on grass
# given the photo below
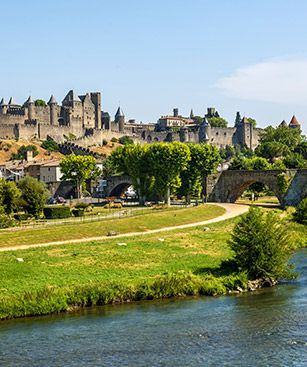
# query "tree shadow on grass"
(227, 267)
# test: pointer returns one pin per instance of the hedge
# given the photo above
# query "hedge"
(54, 212)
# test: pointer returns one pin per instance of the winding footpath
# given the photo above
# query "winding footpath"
(232, 210)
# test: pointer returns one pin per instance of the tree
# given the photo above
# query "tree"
(79, 169)
(9, 196)
(272, 149)
(295, 160)
(302, 149)
(217, 122)
(262, 245)
(204, 160)
(33, 194)
(256, 163)
(300, 214)
(50, 145)
(289, 137)
(40, 103)
(22, 152)
(125, 140)
(166, 161)
(252, 121)
(132, 160)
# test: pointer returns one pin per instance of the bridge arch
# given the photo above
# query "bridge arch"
(117, 185)
(120, 189)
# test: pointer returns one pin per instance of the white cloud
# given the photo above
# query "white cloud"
(279, 81)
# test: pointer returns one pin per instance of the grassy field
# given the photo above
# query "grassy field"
(174, 263)
(153, 220)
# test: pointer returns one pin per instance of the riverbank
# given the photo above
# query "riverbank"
(175, 263)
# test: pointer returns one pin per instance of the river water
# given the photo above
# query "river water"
(264, 328)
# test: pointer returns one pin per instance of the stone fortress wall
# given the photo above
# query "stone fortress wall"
(81, 116)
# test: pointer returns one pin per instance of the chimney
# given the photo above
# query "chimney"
(29, 157)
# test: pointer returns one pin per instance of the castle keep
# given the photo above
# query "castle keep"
(81, 116)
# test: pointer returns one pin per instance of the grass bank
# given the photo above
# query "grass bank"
(154, 219)
(175, 263)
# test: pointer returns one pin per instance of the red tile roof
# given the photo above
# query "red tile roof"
(294, 121)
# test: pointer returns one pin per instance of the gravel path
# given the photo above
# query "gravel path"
(232, 210)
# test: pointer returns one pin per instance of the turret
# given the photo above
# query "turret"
(29, 103)
(204, 131)
(3, 107)
(53, 110)
(120, 120)
(294, 124)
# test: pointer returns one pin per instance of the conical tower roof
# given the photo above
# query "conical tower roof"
(12, 102)
(2, 102)
(191, 113)
(119, 113)
(205, 122)
(28, 101)
(71, 96)
(283, 124)
(294, 121)
(52, 100)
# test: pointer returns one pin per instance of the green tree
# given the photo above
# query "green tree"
(252, 121)
(300, 214)
(132, 160)
(272, 149)
(166, 161)
(301, 149)
(204, 160)
(22, 152)
(50, 145)
(262, 245)
(33, 194)
(125, 140)
(40, 103)
(217, 122)
(9, 196)
(257, 163)
(289, 137)
(79, 169)
(295, 160)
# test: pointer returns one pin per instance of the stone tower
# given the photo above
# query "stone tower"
(96, 99)
(53, 110)
(29, 103)
(3, 107)
(204, 131)
(120, 120)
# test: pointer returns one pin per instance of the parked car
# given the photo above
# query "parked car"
(60, 200)
(51, 201)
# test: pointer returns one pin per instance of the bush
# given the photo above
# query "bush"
(56, 212)
(50, 145)
(104, 142)
(114, 140)
(82, 206)
(78, 212)
(22, 152)
(262, 245)
(22, 216)
(125, 140)
(300, 214)
(6, 221)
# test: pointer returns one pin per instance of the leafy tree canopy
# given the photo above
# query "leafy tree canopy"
(252, 121)
(272, 149)
(9, 196)
(125, 140)
(40, 103)
(79, 169)
(33, 194)
(50, 145)
(262, 245)
(217, 122)
(284, 135)
(22, 152)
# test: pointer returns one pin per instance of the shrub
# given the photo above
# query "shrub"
(78, 212)
(50, 145)
(55, 212)
(22, 216)
(104, 142)
(262, 245)
(22, 152)
(125, 140)
(114, 140)
(6, 221)
(82, 206)
(300, 214)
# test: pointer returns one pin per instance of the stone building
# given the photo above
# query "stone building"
(81, 117)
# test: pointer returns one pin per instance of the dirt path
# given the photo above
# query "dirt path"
(232, 210)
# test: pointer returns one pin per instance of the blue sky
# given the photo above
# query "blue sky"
(151, 56)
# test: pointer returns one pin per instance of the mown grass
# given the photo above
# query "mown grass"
(175, 263)
(151, 220)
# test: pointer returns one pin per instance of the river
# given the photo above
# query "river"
(264, 328)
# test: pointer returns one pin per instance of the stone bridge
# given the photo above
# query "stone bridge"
(117, 185)
(228, 186)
